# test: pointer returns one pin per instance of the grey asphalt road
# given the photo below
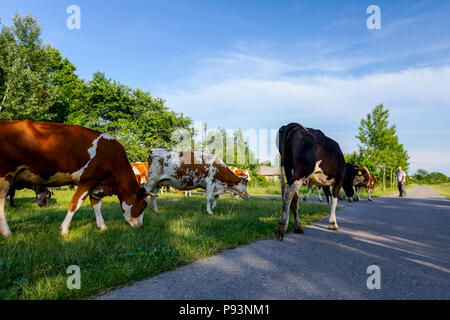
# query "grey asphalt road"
(408, 238)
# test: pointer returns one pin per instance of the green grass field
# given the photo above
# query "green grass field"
(33, 262)
(443, 189)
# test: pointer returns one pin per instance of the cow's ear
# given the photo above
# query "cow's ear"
(142, 193)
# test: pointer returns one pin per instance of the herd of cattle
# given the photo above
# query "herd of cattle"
(40, 155)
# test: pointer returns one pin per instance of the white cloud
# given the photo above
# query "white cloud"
(253, 92)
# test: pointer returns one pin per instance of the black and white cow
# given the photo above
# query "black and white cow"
(43, 195)
(308, 154)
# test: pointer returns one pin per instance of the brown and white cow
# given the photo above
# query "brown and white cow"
(53, 154)
(364, 179)
(307, 153)
(188, 170)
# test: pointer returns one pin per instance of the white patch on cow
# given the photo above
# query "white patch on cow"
(359, 181)
(134, 222)
(309, 192)
(332, 219)
(98, 216)
(97, 191)
(318, 177)
(68, 219)
(92, 153)
(319, 192)
(107, 136)
(136, 171)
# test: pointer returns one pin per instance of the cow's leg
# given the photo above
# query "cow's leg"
(75, 204)
(294, 209)
(319, 191)
(213, 206)
(334, 201)
(153, 189)
(368, 192)
(4, 228)
(154, 206)
(289, 192)
(327, 192)
(355, 197)
(12, 194)
(209, 195)
(97, 206)
(306, 197)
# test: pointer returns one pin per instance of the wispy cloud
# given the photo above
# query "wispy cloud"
(254, 92)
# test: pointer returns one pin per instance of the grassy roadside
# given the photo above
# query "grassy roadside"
(274, 188)
(33, 262)
(443, 189)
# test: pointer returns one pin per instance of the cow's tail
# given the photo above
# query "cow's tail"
(281, 140)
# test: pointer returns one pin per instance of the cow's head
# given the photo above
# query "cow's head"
(134, 212)
(240, 188)
(43, 194)
(350, 173)
(372, 182)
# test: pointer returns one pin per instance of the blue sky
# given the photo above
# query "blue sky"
(262, 64)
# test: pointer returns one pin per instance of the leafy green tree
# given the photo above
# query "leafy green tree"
(134, 117)
(71, 88)
(424, 177)
(25, 64)
(380, 150)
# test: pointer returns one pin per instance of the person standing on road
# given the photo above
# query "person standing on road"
(401, 179)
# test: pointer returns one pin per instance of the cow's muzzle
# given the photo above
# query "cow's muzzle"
(244, 195)
(135, 222)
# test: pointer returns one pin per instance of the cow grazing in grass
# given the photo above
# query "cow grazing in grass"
(308, 154)
(363, 179)
(52, 154)
(43, 195)
(240, 173)
(188, 170)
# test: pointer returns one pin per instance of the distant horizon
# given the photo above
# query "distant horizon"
(237, 64)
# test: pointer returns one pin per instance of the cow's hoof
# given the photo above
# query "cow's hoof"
(103, 227)
(370, 199)
(350, 200)
(334, 226)
(279, 233)
(6, 234)
(64, 232)
(298, 229)
(321, 200)
(304, 199)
